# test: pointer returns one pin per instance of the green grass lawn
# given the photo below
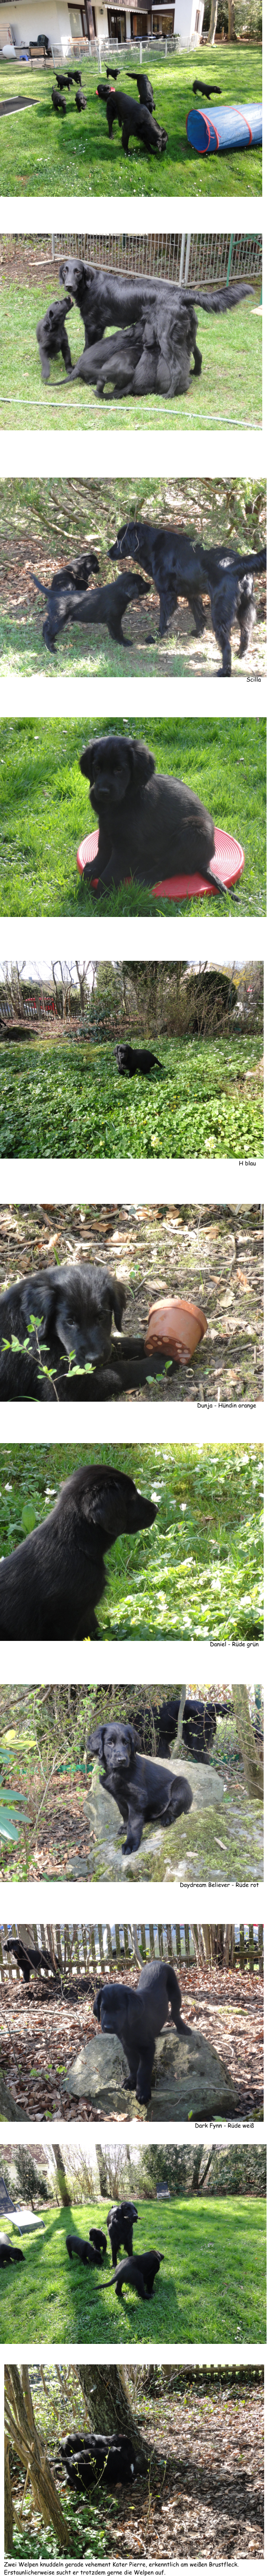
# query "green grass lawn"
(73, 156)
(228, 395)
(46, 810)
(211, 2287)
(198, 1570)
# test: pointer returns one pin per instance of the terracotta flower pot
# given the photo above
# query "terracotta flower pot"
(175, 1327)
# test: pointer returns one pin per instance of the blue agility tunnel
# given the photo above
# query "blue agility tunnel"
(232, 130)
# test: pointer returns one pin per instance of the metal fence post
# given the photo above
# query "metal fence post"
(230, 259)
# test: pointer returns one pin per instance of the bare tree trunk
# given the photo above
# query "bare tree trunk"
(253, 1767)
(231, 22)
(104, 2388)
(177, 1746)
(101, 2161)
(8, 2505)
(65, 2193)
(28, 2444)
(8, 2109)
(213, 22)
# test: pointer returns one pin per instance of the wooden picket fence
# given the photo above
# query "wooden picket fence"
(75, 1948)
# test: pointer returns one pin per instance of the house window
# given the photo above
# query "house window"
(76, 25)
(117, 26)
(141, 23)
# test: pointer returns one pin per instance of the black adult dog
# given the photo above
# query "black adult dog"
(53, 338)
(144, 1793)
(73, 1311)
(181, 568)
(51, 1586)
(132, 1060)
(148, 825)
(104, 296)
(136, 2018)
(103, 607)
(120, 2222)
(134, 119)
(198, 1729)
(72, 579)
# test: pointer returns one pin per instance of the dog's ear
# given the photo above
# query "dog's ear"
(38, 1300)
(86, 760)
(143, 765)
(94, 1742)
(97, 2004)
(135, 1739)
(119, 1300)
(99, 1501)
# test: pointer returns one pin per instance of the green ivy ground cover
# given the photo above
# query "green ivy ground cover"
(228, 395)
(198, 1571)
(71, 1100)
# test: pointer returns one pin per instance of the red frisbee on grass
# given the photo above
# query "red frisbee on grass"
(229, 863)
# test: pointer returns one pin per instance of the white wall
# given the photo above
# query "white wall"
(28, 16)
(185, 19)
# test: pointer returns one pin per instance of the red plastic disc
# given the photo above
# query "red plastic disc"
(228, 865)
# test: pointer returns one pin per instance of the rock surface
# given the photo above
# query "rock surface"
(208, 1790)
(190, 2080)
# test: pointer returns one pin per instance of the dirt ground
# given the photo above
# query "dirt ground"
(41, 2033)
(180, 653)
(206, 2501)
(212, 1255)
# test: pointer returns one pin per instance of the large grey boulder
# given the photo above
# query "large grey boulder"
(190, 2080)
(208, 1790)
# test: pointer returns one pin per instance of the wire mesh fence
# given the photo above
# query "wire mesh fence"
(179, 259)
(76, 1948)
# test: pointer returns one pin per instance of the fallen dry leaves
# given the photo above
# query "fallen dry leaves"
(42, 2030)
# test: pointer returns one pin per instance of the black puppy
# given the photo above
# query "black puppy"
(145, 91)
(52, 338)
(72, 579)
(29, 1959)
(137, 1060)
(73, 1311)
(52, 1584)
(139, 2272)
(144, 86)
(120, 2222)
(10, 2253)
(110, 2459)
(95, 2446)
(148, 825)
(80, 100)
(97, 2238)
(136, 2018)
(78, 2246)
(58, 102)
(111, 361)
(143, 1792)
(207, 89)
(103, 607)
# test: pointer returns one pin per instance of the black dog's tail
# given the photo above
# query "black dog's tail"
(238, 563)
(220, 299)
(41, 585)
(252, 563)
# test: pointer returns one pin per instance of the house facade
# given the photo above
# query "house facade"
(65, 24)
